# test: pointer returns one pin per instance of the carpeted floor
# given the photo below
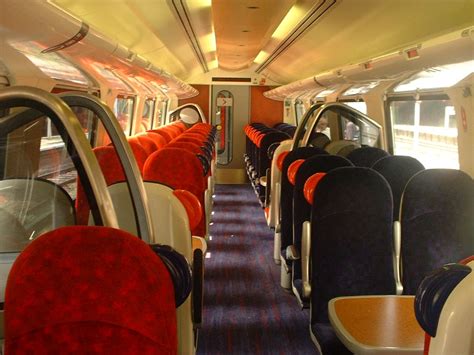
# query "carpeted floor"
(245, 309)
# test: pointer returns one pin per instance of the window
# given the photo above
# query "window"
(358, 105)
(360, 89)
(161, 112)
(437, 77)
(299, 110)
(51, 64)
(425, 129)
(37, 184)
(123, 109)
(146, 120)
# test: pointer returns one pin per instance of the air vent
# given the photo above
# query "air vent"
(235, 80)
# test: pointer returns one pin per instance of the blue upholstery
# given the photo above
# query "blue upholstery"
(397, 170)
(433, 293)
(437, 224)
(301, 208)
(366, 156)
(286, 200)
(351, 241)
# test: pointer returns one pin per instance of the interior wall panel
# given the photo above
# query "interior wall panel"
(263, 110)
(202, 99)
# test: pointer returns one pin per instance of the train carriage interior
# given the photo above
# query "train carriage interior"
(237, 177)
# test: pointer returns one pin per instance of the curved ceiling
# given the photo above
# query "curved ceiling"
(189, 37)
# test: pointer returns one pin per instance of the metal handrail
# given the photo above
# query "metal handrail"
(310, 121)
(125, 155)
(197, 107)
(55, 108)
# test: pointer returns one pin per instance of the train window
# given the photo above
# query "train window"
(37, 186)
(437, 77)
(360, 89)
(146, 120)
(51, 64)
(299, 110)
(123, 109)
(358, 105)
(425, 129)
(161, 112)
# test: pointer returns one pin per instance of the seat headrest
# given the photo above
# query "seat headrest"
(192, 206)
(310, 186)
(85, 278)
(293, 169)
(281, 157)
(147, 143)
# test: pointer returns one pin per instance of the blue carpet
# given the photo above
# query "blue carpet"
(245, 309)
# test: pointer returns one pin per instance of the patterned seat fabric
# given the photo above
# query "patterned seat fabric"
(366, 156)
(286, 200)
(437, 224)
(397, 170)
(351, 242)
(89, 290)
(301, 207)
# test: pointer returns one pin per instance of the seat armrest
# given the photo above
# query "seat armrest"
(397, 239)
(292, 253)
(305, 258)
(198, 280)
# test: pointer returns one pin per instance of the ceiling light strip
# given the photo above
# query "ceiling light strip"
(183, 16)
(313, 15)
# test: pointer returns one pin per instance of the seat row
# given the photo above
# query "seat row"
(259, 138)
(367, 223)
(98, 288)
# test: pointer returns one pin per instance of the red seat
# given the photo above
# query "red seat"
(162, 132)
(87, 290)
(147, 143)
(159, 140)
(179, 169)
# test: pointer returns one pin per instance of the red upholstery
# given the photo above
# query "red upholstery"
(87, 290)
(293, 169)
(195, 141)
(159, 140)
(467, 260)
(168, 137)
(310, 186)
(147, 143)
(189, 146)
(281, 157)
(179, 169)
(192, 205)
(139, 152)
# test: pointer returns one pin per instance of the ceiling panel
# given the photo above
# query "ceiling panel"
(243, 27)
(357, 30)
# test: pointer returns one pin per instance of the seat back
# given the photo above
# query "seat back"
(68, 292)
(437, 224)
(366, 156)
(301, 207)
(286, 199)
(351, 238)
(179, 169)
(342, 147)
(397, 170)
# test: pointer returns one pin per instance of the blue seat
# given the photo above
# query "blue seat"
(397, 170)
(437, 224)
(301, 207)
(286, 202)
(351, 244)
(366, 156)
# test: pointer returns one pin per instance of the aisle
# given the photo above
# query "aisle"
(245, 309)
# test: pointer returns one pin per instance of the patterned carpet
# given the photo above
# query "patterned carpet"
(245, 309)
